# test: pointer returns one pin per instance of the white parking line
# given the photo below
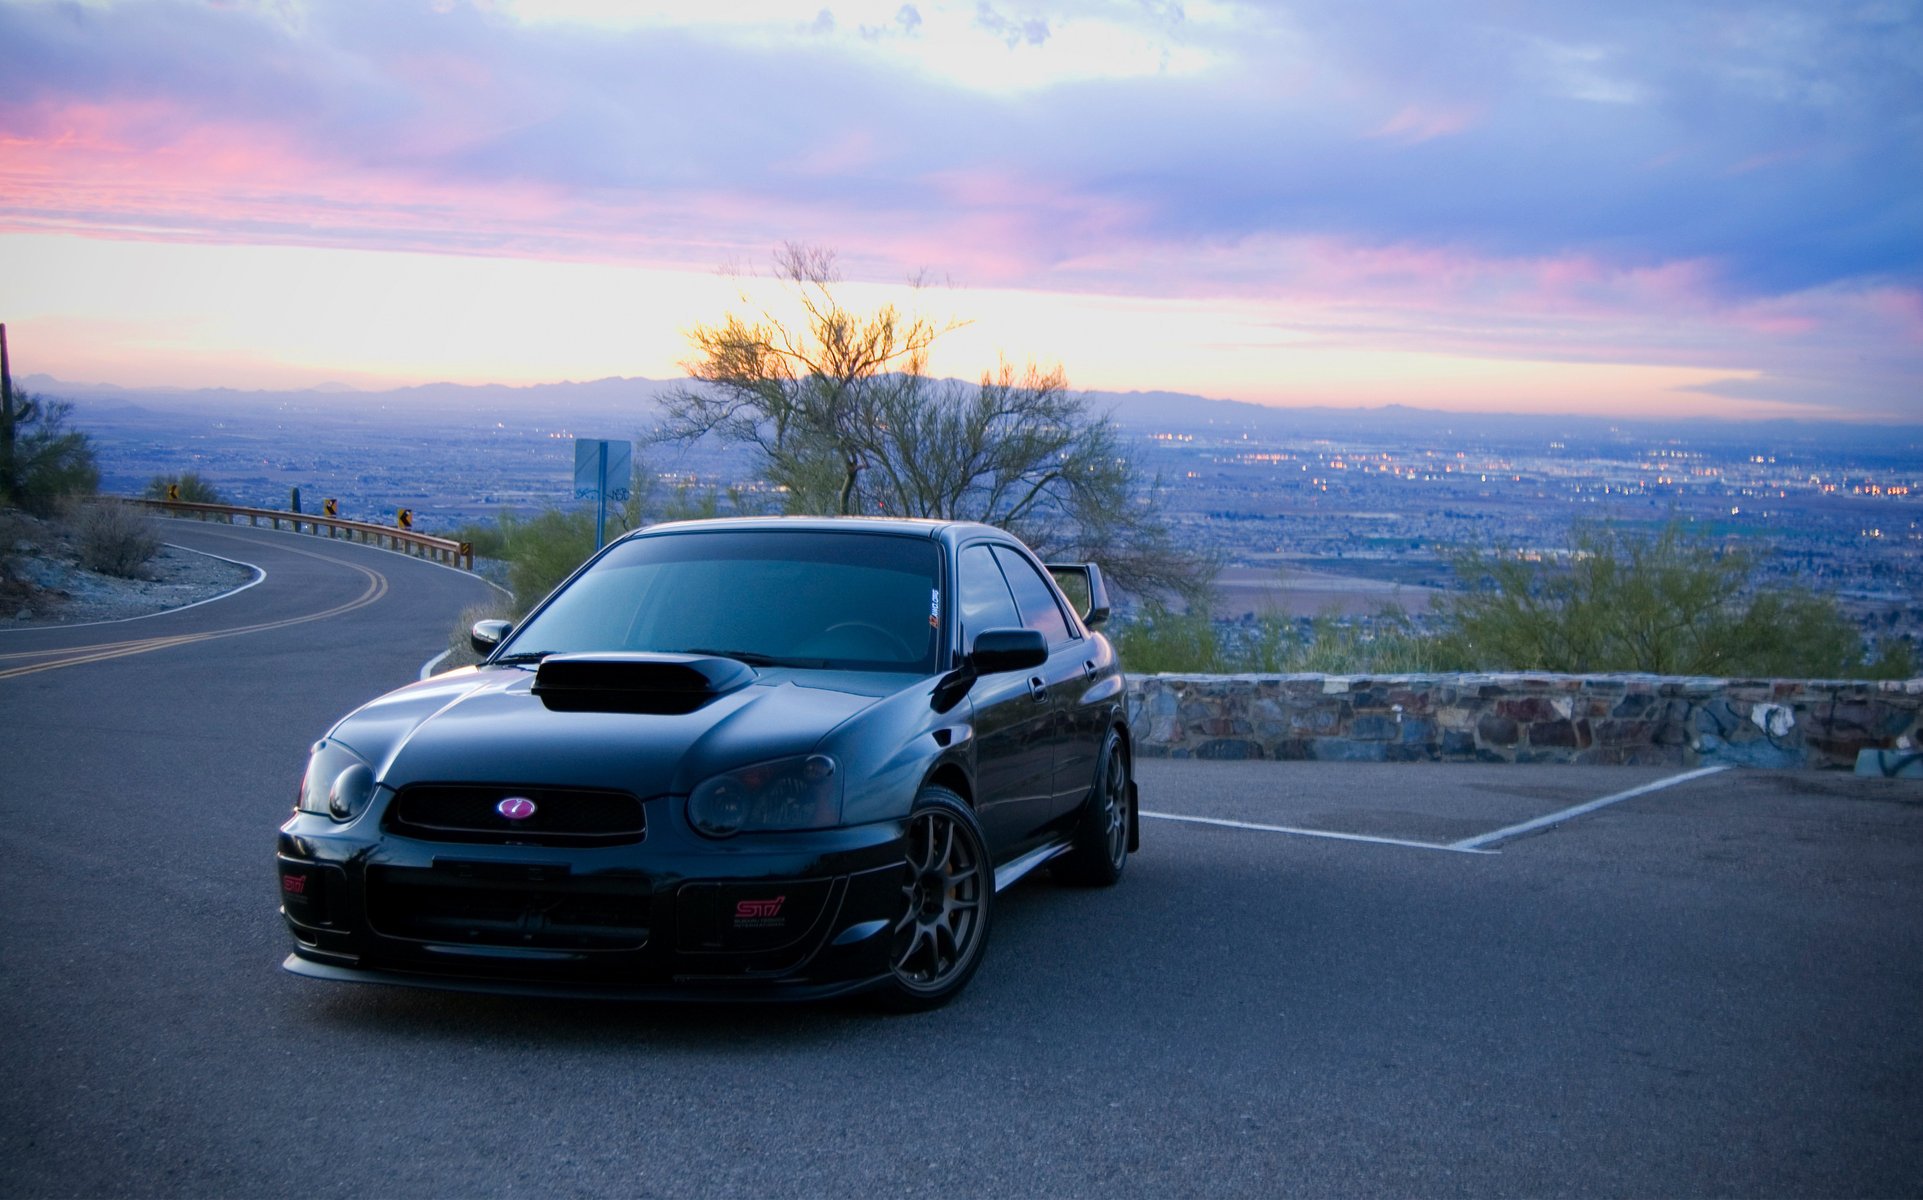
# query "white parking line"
(1315, 833)
(1557, 818)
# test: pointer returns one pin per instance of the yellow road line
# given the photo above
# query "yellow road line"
(101, 652)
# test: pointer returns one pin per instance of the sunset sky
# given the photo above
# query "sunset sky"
(1633, 206)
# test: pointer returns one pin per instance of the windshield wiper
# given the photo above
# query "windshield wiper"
(520, 658)
(759, 660)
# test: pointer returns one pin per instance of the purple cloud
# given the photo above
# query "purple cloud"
(1769, 152)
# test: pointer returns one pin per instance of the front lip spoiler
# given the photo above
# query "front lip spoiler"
(746, 992)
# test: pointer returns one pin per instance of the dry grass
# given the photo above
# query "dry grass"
(113, 538)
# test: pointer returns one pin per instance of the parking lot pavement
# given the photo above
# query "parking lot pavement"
(1458, 807)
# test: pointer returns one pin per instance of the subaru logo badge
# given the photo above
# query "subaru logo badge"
(516, 808)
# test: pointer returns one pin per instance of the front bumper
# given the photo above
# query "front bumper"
(799, 915)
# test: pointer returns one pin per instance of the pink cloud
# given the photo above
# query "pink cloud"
(1416, 123)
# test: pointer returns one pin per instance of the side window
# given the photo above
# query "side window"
(1032, 594)
(984, 599)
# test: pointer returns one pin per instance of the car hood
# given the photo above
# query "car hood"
(486, 726)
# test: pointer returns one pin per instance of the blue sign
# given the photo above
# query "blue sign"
(603, 470)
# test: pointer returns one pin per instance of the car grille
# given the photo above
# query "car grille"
(504, 905)
(561, 817)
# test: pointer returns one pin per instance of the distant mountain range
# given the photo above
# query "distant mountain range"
(614, 406)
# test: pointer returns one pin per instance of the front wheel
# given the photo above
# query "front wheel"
(948, 884)
(1100, 848)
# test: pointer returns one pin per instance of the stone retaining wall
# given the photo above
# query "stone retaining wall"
(1527, 718)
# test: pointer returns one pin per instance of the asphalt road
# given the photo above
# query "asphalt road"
(1710, 988)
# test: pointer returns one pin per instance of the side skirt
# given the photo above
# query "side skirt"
(1014, 869)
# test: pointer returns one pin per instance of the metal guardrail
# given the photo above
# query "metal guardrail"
(404, 541)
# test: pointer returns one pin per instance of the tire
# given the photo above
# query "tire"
(948, 888)
(1099, 851)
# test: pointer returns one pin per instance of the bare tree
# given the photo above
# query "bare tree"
(842, 415)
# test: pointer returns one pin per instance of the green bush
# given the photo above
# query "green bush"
(1672, 603)
(544, 549)
(193, 488)
(1158, 639)
(42, 462)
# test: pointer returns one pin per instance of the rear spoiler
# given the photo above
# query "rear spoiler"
(1082, 584)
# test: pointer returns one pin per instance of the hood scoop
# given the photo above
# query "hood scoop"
(666, 684)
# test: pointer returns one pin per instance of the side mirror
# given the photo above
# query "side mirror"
(485, 635)
(994, 652)
(999, 650)
(1082, 584)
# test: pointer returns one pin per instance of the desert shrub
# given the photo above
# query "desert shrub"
(487, 538)
(1157, 639)
(193, 488)
(1388, 644)
(114, 539)
(42, 462)
(1670, 603)
(15, 587)
(544, 549)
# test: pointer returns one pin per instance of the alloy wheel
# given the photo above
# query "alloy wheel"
(939, 930)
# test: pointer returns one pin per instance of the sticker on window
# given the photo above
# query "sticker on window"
(934, 608)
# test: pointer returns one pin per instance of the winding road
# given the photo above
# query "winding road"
(1317, 979)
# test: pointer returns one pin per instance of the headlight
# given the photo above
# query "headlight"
(788, 793)
(338, 783)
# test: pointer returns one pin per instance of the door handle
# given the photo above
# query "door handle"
(1038, 688)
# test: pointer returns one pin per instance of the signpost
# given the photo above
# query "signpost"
(602, 471)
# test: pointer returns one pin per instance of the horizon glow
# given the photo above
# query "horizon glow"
(1577, 208)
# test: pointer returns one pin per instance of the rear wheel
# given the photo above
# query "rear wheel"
(1100, 848)
(948, 883)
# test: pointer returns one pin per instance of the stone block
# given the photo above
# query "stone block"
(1552, 733)
(1527, 708)
(1635, 704)
(1756, 752)
(1417, 731)
(1890, 764)
(1457, 744)
(1652, 756)
(1625, 733)
(1233, 749)
(1346, 750)
(1370, 727)
(1324, 719)
(1495, 730)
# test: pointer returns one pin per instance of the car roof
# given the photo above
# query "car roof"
(942, 530)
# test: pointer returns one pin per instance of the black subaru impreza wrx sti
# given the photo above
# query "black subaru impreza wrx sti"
(755, 758)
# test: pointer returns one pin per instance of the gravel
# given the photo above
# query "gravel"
(58, 591)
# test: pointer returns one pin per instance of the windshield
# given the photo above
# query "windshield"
(853, 601)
